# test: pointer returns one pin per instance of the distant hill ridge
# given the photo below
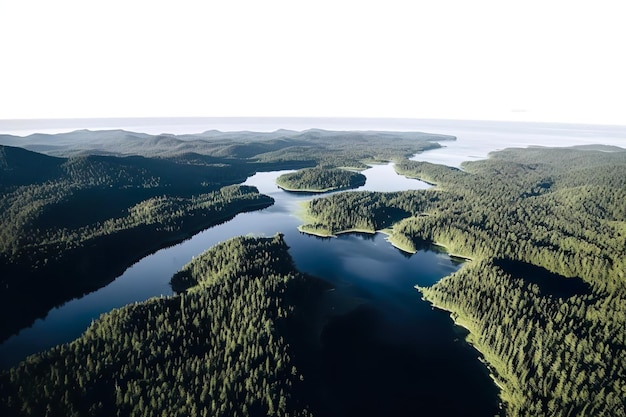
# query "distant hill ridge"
(242, 144)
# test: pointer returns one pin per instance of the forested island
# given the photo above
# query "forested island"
(320, 180)
(222, 347)
(544, 297)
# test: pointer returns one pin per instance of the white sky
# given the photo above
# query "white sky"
(544, 60)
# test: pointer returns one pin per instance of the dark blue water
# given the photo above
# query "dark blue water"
(377, 348)
(380, 349)
(150, 276)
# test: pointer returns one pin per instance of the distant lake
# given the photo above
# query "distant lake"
(381, 349)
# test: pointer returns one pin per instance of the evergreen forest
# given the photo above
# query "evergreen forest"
(78, 208)
(69, 226)
(544, 293)
(221, 347)
(320, 179)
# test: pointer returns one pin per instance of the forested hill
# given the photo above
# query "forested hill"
(19, 167)
(70, 225)
(316, 146)
(545, 295)
(222, 348)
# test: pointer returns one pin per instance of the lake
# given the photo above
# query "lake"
(150, 276)
(374, 303)
(380, 348)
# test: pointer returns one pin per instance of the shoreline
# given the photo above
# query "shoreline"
(451, 254)
(306, 190)
(116, 269)
(492, 370)
(387, 232)
(316, 191)
(397, 245)
(328, 233)
(325, 233)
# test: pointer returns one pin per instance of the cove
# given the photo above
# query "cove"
(375, 348)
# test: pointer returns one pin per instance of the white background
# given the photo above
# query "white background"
(560, 61)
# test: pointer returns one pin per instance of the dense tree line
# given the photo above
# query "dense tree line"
(363, 210)
(69, 262)
(559, 209)
(68, 226)
(320, 179)
(558, 356)
(164, 214)
(219, 348)
(41, 194)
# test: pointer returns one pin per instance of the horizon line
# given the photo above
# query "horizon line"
(423, 119)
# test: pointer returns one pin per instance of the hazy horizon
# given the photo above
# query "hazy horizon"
(186, 125)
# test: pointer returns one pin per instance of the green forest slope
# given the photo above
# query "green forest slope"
(68, 226)
(218, 349)
(545, 295)
(338, 148)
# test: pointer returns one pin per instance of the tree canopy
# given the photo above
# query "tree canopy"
(219, 348)
(545, 294)
(320, 179)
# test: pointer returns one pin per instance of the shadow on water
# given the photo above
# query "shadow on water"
(404, 253)
(370, 364)
(371, 346)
